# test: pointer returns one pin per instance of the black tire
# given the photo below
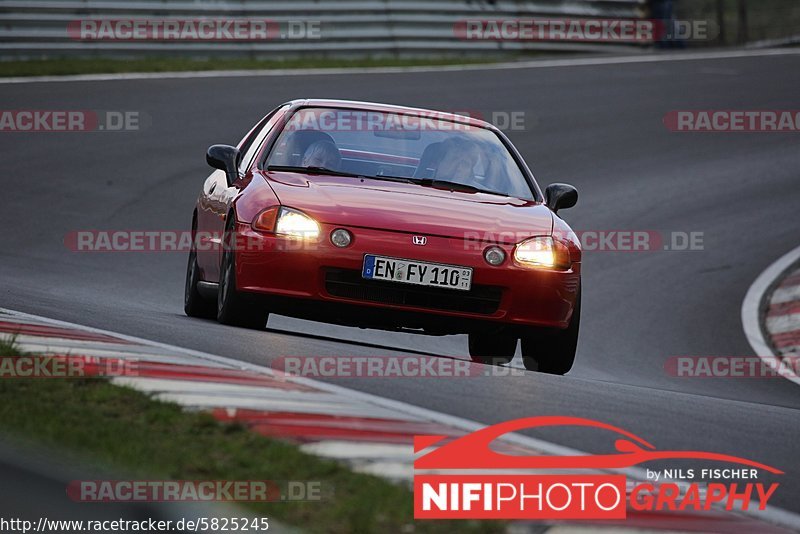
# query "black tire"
(552, 351)
(194, 305)
(492, 348)
(233, 307)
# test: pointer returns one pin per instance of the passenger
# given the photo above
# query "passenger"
(322, 154)
(458, 162)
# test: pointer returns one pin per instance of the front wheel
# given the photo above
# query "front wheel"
(233, 307)
(552, 351)
(492, 349)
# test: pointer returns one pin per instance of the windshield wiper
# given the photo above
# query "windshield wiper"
(456, 186)
(312, 169)
(425, 182)
(389, 178)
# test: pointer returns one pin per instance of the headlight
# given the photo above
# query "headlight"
(542, 252)
(286, 221)
(296, 224)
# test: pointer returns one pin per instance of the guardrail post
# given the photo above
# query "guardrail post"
(742, 21)
(721, 21)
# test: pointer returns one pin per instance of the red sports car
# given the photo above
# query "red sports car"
(388, 217)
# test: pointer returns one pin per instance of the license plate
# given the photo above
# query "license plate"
(419, 273)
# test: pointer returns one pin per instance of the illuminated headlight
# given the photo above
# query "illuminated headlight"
(341, 237)
(539, 252)
(494, 255)
(296, 224)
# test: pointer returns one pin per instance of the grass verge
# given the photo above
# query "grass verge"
(123, 428)
(65, 66)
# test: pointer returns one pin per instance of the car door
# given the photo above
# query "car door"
(216, 198)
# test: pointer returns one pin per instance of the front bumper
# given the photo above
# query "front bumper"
(295, 272)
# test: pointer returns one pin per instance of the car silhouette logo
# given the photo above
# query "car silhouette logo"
(420, 240)
(473, 451)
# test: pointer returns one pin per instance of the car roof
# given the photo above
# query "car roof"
(389, 108)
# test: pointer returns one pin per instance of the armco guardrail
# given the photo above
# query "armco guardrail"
(35, 28)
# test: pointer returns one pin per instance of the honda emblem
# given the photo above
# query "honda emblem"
(420, 240)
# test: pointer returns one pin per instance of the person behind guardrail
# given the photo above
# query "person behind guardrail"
(663, 13)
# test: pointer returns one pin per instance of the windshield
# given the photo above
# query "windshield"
(427, 150)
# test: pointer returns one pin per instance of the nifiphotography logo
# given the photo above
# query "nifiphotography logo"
(598, 493)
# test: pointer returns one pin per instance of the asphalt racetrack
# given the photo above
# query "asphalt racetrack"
(598, 127)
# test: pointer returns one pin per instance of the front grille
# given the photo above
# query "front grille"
(350, 285)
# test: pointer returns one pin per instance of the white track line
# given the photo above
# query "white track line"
(751, 309)
(771, 514)
(532, 64)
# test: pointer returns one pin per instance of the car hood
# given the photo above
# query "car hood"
(410, 208)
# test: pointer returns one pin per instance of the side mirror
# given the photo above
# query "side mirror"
(560, 196)
(225, 158)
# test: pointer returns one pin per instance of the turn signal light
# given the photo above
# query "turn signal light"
(265, 221)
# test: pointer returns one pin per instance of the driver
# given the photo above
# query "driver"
(322, 154)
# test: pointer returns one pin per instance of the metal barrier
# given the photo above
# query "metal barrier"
(356, 28)
(748, 22)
